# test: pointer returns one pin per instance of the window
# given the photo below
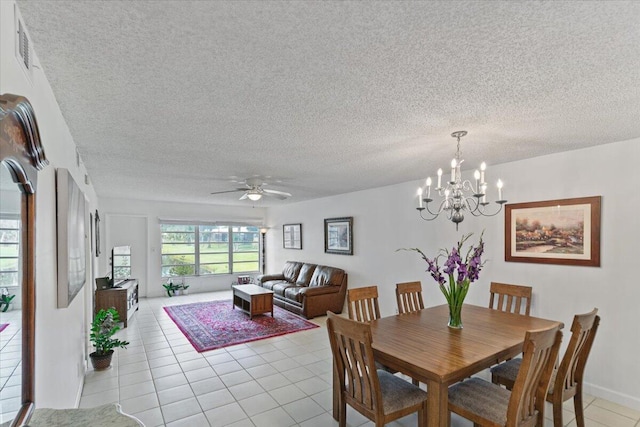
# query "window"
(191, 249)
(121, 258)
(9, 251)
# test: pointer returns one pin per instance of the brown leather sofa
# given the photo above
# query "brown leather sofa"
(307, 289)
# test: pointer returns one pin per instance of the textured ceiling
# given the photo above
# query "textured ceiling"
(173, 100)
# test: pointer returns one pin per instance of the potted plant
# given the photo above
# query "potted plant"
(170, 288)
(104, 326)
(5, 301)
(185, 289)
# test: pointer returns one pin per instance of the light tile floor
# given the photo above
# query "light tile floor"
(10, 364)
(276, 382)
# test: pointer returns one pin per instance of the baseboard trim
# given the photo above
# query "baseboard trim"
(612, 396)
(79, 394)
(85, 369)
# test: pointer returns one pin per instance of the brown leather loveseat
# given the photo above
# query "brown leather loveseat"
(307, 289)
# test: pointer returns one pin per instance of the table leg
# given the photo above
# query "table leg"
(437, 404)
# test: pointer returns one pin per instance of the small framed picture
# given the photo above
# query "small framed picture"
(563, 231)
(244, 280)
(96, 218)
(338, 236)
(292, 236)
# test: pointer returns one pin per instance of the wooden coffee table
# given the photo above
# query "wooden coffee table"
(252, 299)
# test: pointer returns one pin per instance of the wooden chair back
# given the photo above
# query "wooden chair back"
(567, 382)
(510, 298)
(409, 297)
(571, 369)
(354, 362)
(540, 352)
(363, 304)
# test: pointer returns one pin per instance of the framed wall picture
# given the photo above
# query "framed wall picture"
(338, 236)
(72, 261)
(292, 236)
(97, 231)
(91, 233)
(565, 231)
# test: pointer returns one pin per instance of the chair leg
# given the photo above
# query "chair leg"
(578, 406)
(557, 413)
(343, 413)
(421, 412)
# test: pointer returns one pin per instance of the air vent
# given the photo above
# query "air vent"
(23, 47)
(24, 51)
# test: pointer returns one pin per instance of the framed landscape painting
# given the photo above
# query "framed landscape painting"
(292, 236)
(338, 236)
(565, 231)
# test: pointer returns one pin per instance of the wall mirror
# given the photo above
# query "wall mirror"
(21, 157)
(10, 292)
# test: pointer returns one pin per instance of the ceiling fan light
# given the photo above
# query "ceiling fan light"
(254, 196)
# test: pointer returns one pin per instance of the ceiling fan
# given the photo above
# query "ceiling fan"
(253, 190)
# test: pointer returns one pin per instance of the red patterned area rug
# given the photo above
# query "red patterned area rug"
(214, 324)
(3, 326)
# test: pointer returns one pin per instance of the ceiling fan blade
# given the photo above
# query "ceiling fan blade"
(275, 196)
(244, 196)
(276, 192)
(230, 191)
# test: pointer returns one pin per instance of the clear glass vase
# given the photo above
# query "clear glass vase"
(455, 316)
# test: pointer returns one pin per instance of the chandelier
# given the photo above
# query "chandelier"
(458, 195)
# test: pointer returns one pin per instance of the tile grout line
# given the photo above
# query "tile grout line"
(162, 332)
(184, 373)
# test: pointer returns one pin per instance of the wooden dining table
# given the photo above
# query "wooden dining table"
(422, 346)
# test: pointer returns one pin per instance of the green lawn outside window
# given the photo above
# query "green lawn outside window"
(190, 249)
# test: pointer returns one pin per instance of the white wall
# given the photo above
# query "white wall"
(61, 334)
(122, 228)
(385, 219)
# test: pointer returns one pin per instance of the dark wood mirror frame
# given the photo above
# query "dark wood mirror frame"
(22, 153)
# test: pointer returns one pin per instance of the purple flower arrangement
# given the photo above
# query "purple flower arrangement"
(460, 271)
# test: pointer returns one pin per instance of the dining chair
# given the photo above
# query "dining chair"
(510, 298)
(409, 297)
(488, 404)
(566, 381)
(363, 304)
(375, 393)
(363, 307)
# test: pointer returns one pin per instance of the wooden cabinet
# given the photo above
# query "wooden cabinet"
(123, 297)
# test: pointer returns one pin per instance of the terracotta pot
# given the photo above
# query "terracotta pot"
(102, 361)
